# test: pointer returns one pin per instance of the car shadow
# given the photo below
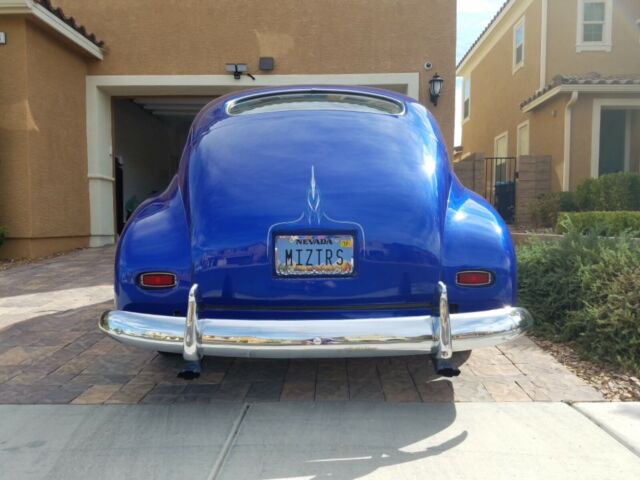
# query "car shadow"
(340, 441)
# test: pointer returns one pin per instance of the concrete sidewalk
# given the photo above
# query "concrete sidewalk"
(286, 440)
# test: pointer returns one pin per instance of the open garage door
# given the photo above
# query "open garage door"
(149, 134)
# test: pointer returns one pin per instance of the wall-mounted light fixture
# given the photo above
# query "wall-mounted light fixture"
(237, 69)
(3, 38)
(435, 87)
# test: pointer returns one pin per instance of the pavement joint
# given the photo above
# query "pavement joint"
(229, 443)
(606, 428)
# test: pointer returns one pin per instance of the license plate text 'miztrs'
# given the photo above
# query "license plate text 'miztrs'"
(314, 255)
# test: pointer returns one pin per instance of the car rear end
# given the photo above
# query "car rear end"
(320, 222)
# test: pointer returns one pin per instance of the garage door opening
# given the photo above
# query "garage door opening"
(149, 134)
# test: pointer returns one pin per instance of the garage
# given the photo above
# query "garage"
(149, 134)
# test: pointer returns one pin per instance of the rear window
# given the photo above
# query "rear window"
(317, 100)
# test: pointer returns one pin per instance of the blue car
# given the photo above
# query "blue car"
(315, 222)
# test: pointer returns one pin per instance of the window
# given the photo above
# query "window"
(316, 100)
(523, 138)
(501, 145)
(594, 25)
(518, 45)
(466, 106)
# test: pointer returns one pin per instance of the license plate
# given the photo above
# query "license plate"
(314, 255)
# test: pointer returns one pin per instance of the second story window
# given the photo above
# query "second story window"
(466, 106)
(594, 25)
(518, 45)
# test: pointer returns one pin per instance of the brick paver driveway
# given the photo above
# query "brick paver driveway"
(51, 351)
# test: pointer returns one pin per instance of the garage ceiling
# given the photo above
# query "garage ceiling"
(185, 107)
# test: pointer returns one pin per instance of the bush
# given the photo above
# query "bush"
(609, 193)
(3, 234)
(585, 289)
(602, 223)
(545, 209)
(614, 192)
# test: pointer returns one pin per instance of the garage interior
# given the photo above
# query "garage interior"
(149, 134)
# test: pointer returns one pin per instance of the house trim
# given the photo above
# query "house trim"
(598, 104)
(599, 88)
(566, 166)
(28, 7)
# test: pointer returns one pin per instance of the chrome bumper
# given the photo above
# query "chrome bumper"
(439, 335)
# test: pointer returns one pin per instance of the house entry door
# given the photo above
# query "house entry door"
(613, 133)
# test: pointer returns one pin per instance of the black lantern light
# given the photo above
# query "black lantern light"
(435, 87)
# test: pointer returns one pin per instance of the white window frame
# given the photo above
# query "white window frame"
(603, 46)
(598, 105)
(504, 135)
(519, 141)
(521, 23)
(466, 81)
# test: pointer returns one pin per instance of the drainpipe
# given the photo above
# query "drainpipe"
(567, 141)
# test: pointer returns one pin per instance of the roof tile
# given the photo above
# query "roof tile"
(58, 12)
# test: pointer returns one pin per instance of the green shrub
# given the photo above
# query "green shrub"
(585, 289)
(614, 192)
(3, 234)
(602, 223)
(544, 210)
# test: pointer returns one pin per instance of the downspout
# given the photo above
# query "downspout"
(567, 141)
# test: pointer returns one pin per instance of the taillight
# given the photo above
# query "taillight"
(474, 278)
(158, 280)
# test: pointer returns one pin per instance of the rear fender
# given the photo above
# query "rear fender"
(476, 238)
(155, 239)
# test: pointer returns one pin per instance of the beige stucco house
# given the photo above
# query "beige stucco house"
(558, 78)
(93, 118)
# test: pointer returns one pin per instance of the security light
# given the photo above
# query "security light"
(237, 69)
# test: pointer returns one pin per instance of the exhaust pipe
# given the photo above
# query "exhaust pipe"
(445, 367)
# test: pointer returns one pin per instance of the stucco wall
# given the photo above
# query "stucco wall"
(180, 37)
(563, 59)
(496, 92)
(547, 136)
(44, 177)
(15, 122)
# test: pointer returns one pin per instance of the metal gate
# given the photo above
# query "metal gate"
(500, 186)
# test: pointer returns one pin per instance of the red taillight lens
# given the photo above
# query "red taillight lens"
(475, 278)
(158, 280)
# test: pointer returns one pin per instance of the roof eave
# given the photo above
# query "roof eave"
(570, 88)
(28, 7)
(485, 34)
